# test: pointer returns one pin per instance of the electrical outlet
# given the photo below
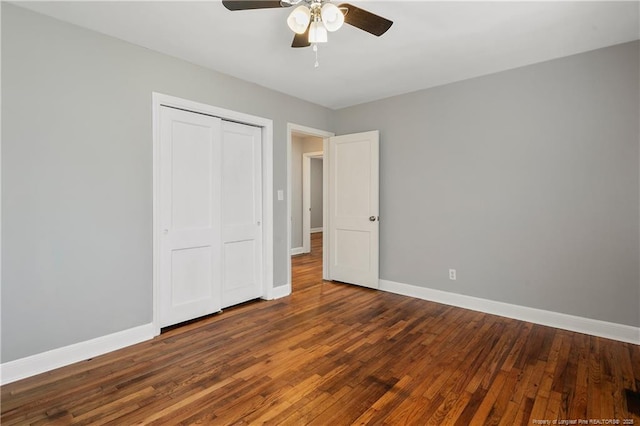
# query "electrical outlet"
(452, 274)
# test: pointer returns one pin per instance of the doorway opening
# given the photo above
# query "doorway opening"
(312, 197)
(350, 243)
(307, 192)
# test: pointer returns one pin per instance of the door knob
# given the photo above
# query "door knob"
(372, 218)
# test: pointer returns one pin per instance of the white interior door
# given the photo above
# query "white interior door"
(353, 209)
(189, 215)
(241, 213)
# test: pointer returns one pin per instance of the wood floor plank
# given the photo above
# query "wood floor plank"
(333, 353)
(489, 400)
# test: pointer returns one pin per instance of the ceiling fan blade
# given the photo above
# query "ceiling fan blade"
(367, 21)
(301, 40)
(252, 4)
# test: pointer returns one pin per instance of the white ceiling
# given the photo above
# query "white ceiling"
(429, 44)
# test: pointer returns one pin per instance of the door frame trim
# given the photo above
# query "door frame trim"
(306, 198)
(158, 100)
(325, 135)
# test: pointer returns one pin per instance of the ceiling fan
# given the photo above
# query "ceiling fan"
(311, 19)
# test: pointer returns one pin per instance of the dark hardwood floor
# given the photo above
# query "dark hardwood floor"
(334, 354)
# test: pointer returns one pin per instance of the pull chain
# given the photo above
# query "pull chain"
(315, 49)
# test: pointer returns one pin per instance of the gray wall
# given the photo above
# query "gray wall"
(525, 181)
(77, 176)
(316, 193)
(300, 144)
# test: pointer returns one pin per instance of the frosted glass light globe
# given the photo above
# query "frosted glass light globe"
(332, 17)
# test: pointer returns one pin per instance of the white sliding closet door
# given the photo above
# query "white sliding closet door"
(210, 210)
(241, 213)
(190, 160)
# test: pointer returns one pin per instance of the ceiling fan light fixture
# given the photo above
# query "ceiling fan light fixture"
(317, 32)
(298, 19)
(332, 17)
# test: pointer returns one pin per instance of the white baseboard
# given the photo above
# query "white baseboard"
(26, 367)
(297, 250)
(314, 230)
(609, 330)
(282, 291)
(55, 358)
